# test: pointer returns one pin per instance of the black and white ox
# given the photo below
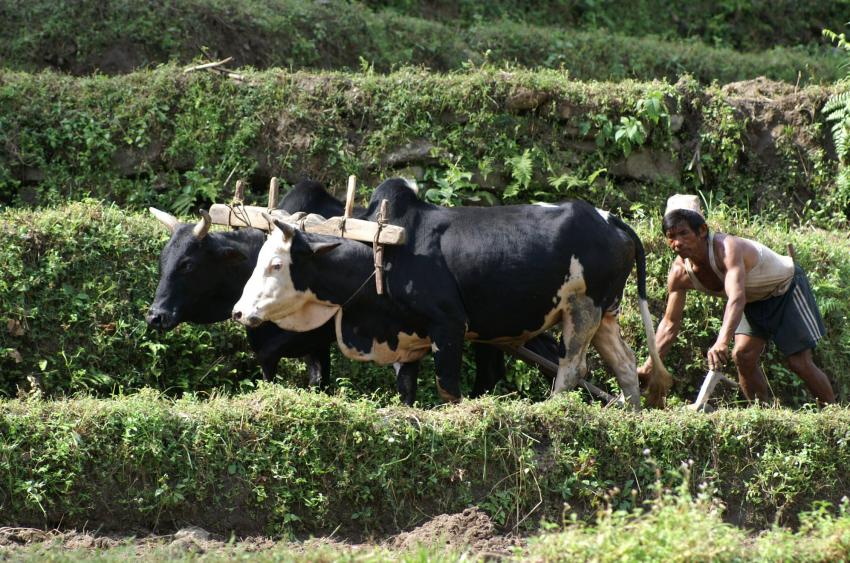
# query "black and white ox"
(500, 275)
(202, 274)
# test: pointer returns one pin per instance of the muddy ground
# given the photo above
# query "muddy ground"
(471, 532)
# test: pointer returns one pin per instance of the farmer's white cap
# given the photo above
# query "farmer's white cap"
(683, 201)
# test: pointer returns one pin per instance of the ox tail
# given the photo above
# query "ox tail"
(660, 380)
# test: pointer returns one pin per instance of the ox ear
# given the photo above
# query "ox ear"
(167, 219)
(287, 230)
(319, 248)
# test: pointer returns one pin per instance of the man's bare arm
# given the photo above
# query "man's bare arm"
(734, 286)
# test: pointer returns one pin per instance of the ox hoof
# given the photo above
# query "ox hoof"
(446, 396)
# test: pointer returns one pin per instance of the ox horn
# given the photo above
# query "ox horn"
(167, 219)
(203, 226)
(286, 229)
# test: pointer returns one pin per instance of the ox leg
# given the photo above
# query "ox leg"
(406, 381)
(580, 321)
(609, 342)
(266, 355)
(319, 368)
(489, 369)
(447, 345)
(269, 369)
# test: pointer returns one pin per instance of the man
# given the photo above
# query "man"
(768, 298)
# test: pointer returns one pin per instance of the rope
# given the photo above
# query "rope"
(378, 250)
(353, 295)
(381, 224)
(237, 209)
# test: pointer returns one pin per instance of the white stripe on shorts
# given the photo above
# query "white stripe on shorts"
(806, 314)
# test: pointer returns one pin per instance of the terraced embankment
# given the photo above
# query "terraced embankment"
(280, 460)
(168, 138)
(123, 439)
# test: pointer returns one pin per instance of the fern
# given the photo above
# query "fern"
(522, 169)
(837, 108)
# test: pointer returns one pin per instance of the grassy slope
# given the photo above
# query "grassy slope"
(120, 35)
(748, 25)
(279, 460)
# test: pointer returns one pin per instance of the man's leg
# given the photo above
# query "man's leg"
(746, 353)
(803, 365)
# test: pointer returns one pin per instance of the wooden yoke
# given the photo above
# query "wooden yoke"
(378, 249)
(274, 189)
(239, 194)
(238, 215)
(349, 196)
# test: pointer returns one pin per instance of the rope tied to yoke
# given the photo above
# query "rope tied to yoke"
(237, 209)
(377, 250)
(357, 291)
(377, 246)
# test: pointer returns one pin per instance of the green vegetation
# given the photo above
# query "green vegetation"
(837, 112)
(79, 278)
(119, 36)
(283, 461)
(171, 139)
(483, 103)
(77, 282)
(684, 528)
(748, 25)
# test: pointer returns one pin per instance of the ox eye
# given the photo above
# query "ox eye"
(275, 265)
(186, 266)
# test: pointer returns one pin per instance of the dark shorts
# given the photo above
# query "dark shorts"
(791, 320)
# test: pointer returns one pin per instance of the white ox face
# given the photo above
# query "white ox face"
(270, 294)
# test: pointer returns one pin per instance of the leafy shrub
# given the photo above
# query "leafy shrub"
(77, 281)
(170, 139)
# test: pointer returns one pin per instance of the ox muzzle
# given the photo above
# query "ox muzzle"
(161, 319)
(251, 321)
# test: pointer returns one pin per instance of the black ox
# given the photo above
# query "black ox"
(500, 275)
(202, 275)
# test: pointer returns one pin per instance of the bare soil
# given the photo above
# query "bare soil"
(470, 531)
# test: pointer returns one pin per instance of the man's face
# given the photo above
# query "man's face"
(684, 241)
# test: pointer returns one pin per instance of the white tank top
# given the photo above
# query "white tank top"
(771, 276)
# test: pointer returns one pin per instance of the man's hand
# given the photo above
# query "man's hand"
(718, 355)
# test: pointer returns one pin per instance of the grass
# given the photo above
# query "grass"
(120, 36)
(281, 461)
